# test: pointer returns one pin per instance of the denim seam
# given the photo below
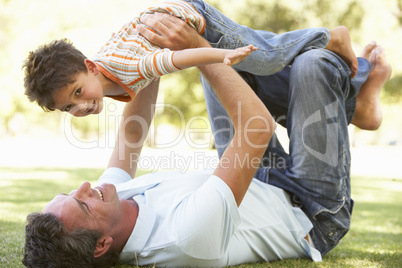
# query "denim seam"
(333, 212)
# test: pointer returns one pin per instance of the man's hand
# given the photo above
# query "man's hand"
(170, 32)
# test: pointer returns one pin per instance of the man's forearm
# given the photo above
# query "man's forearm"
(253, 125)
(133, 130)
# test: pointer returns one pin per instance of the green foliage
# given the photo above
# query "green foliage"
(352, 16)
(183, 97)
(373, 241)
(393, 89)
(334, 13)
(398, 12)
(282, 16)
(274, 16)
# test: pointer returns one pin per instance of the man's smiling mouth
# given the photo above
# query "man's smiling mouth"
(100, 194)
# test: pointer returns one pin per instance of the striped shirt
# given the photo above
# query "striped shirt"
(132, 61)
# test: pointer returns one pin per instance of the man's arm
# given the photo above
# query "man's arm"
(133, 130)
(253, 124)
(169, 32)
(188, 52)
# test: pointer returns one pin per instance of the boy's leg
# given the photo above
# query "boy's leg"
(274, 51)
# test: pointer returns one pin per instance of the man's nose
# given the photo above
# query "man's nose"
(84, 190)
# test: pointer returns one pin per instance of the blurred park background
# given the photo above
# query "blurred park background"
(32, 137)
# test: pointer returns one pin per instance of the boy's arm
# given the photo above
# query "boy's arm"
(133, 130)
(206, 55)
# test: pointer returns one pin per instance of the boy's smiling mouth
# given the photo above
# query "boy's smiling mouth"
(92, 108)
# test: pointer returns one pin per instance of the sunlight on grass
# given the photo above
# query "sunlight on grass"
(374, 240)
(45, 175)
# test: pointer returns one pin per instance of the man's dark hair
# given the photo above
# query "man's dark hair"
(50, 68)
(49, 244)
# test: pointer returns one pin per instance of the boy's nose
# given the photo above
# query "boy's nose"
(80, 107)
(83, 105)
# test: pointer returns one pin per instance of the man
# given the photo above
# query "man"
(315, 99)
(165, 221)
(171, 220)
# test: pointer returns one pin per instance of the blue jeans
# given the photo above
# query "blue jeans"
(275, 51)
(315, 99)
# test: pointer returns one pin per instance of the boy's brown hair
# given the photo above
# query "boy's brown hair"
(50, 68)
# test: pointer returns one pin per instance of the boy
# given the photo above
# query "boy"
(83, 93)
(58, 76)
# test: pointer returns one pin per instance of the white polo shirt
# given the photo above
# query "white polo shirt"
(191, 219)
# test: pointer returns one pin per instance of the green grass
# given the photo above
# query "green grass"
(375, 239)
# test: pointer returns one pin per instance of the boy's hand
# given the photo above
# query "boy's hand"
(170, 32)
(235, 56)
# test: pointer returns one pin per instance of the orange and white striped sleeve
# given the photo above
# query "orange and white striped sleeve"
(157, 63)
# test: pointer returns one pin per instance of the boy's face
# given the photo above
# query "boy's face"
(82, 97)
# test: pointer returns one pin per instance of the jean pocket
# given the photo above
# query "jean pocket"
(333, 226)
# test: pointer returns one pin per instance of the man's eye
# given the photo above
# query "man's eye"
(68, 107)
(86, 206)
(78, 92)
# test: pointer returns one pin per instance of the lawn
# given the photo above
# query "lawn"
(375, 239)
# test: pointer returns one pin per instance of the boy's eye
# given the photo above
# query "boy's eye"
(78, 92)
(67, 108)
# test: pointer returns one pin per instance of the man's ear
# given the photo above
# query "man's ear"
(102, 246)
(91, 66)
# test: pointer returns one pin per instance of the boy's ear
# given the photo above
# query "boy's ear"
(102, 246)
(91, 66)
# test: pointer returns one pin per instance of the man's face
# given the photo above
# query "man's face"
(96, 208)
(82, 97)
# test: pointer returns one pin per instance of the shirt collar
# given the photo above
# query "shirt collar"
(140, 235)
